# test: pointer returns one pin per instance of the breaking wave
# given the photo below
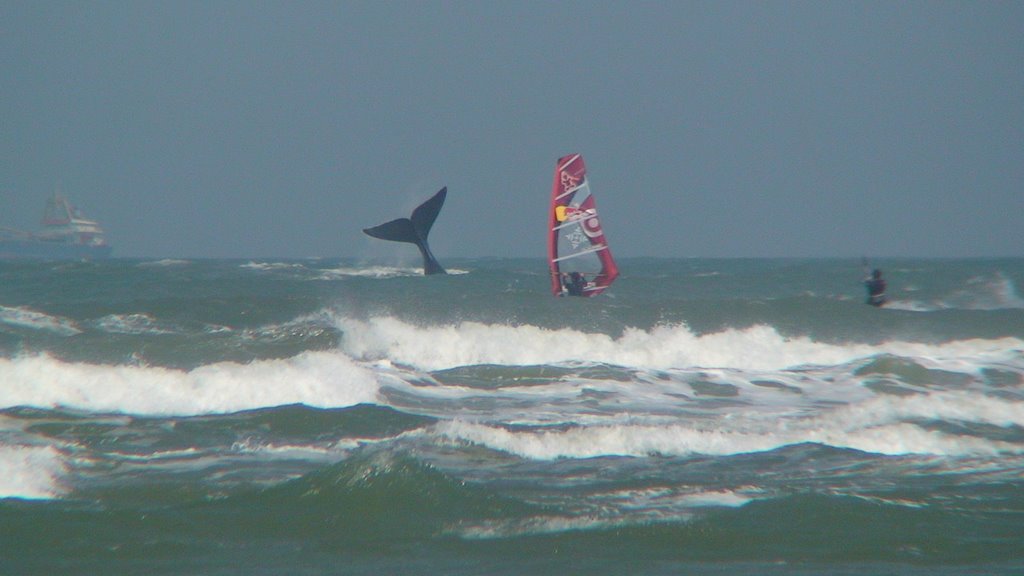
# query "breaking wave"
(883, 425)
(662, 347)
(31, 472)
(24, 317)
(980, 293)
(320, 379)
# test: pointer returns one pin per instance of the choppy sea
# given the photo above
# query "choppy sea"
(721, 417)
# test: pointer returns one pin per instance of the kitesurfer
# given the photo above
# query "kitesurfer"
(875, 285)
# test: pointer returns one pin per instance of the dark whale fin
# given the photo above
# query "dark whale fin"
(414, 230)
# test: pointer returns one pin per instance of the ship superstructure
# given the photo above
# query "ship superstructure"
(65, 234)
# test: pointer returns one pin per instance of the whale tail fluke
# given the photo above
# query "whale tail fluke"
(415, 229)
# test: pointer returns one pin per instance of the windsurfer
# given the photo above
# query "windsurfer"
(573, 283)
(576, 240)
(875, 285)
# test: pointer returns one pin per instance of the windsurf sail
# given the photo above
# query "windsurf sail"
(580, 260)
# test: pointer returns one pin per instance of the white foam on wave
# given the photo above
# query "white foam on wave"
(370, 272)
(911, 306)
(320, 379)
(946, 406)
(163, 263)
(268, 266)
(662, 347)
(989, 293)
(981, 293)
(717, 498)
(133, 324)
(31, 472)
(882, 425)
(535, 525)
(28, 318)
(285, 330)
(377, 271)
(289, 451)
(617, 509)
(611, 440)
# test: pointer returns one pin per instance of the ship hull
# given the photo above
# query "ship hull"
(34, 250)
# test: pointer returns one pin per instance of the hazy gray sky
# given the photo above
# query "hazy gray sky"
(258, 129)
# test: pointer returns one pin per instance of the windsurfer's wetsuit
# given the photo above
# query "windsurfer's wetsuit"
(574, 285)
(876, 288)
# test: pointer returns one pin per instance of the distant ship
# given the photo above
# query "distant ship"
(66, 235)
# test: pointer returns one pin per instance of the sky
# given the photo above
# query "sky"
(216, 129)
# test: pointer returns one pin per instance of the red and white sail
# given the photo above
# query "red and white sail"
(576, 241)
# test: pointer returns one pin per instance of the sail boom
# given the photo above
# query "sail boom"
(571, 221)
(582, 253)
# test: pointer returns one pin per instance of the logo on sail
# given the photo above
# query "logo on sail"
(592, 226)
(568, 181)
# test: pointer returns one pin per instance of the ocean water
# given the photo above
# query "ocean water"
(722, 417)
